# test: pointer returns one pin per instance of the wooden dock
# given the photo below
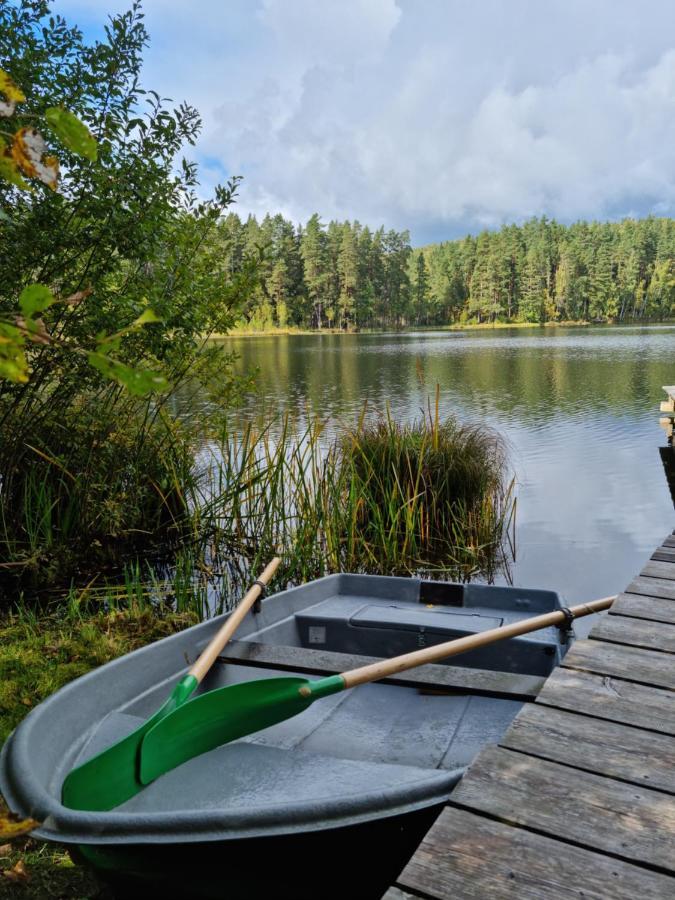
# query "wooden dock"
(578, 799)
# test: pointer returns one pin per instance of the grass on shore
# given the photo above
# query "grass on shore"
(38, 655)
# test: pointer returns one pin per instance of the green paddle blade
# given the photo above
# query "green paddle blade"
(224, 715)
(111, 777)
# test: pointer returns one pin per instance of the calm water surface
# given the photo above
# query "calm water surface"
(578, 406)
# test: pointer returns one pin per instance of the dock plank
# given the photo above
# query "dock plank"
(669, 541)
(635, 632)
(650, 608)
(664, 553)
(624, 820)
(605, 748)
(610, 699)
(658, 569)
(648, 667)
(470, 857)
(325, 662)
(652, 587)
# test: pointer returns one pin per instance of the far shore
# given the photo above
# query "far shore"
(467, 326)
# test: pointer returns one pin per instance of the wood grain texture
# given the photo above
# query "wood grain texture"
(610, 699)
(658, 569)
(651, 608)
(469, 857)
(595, 745)
(664, 553)
(635, 633)
(616, 660)
(630, 822)
(326, 662)
(652, 587)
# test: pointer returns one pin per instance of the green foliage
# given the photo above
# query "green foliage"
(113, 281)
(71, 132)
(538, 272)
(34, 299)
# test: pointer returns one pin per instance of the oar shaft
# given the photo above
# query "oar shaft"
(389, 667)
(210, 653)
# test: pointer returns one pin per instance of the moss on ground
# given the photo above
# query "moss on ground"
(38, 655)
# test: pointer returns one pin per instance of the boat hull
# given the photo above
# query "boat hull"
(356, 861)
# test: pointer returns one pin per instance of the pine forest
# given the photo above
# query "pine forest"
(346, 276)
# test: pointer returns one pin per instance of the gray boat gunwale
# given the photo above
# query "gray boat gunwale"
(117, 684)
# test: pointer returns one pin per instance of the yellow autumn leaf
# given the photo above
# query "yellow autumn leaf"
(9, 170)
(29, 151)
(13, 94)
(13, 826)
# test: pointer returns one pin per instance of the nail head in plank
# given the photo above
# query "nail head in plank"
(624, 820)
(611, 699)
(617, 660)
(469, 857)
(650, 608)
(657, 569)
(652, 587)
(605, 748)
(635, 633)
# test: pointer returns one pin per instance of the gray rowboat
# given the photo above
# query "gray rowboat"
(330, 803)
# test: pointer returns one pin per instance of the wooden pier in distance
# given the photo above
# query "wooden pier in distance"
(668, 411)
(578, 799)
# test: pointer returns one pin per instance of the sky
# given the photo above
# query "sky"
(443, 117)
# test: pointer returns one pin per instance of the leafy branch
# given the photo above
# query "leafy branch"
(25, 156)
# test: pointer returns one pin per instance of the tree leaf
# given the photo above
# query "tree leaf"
(147, 317)
(73, 133)
(17, 873)
(28, 150)
(9, 170)
(13, 93)
(35, 298)
(137, 381)
(13, 826)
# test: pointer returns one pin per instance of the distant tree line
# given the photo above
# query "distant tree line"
(344, 275)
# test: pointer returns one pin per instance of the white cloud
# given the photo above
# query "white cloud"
(434, 114)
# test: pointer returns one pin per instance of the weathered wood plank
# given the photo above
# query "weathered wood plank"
(652, 587)
(669, 541)
(664, 553)
(635, 633)
(655, 569)
(595, 745)
(633, 823)
(395, 893)
(469, 857)
(619, 661)
(611, 699)
(325, 662)
(650, 608)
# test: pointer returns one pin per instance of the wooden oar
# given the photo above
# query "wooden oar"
(111, 777)
(232, 712)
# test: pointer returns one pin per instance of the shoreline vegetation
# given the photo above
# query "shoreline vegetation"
(246, 331)
(345, 275)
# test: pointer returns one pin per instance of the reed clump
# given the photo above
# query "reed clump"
(434, 494)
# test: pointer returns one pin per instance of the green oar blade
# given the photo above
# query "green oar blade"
(224, 715)
(111, 777)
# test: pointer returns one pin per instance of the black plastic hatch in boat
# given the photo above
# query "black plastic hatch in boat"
(370, 765)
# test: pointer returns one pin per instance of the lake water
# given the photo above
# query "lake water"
(579, 407)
